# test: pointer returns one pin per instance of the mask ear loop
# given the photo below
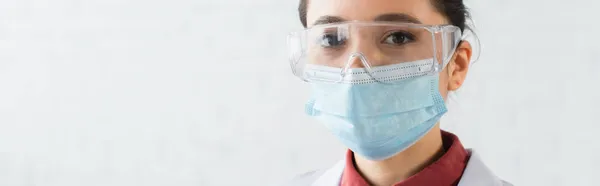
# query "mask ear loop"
(453, 96)
(457, 33)
(469, 31)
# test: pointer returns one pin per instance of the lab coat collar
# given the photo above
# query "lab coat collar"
(477, 173)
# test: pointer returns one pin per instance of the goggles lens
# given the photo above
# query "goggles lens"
(381, 50)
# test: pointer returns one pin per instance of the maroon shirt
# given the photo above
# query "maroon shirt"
(445, 171)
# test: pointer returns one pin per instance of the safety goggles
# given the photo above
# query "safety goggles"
(376, 51)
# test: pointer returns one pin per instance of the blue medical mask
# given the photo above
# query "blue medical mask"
(376, 119)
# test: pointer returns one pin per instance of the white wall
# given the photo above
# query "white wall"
(192, 92)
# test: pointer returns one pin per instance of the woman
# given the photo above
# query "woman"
(380, 72)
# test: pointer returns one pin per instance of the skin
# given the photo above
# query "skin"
(429, 148)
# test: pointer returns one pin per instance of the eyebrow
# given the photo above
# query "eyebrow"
(390, 17)
(398, 17)
(328, 19)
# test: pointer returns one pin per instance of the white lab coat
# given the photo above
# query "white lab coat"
(475, 174)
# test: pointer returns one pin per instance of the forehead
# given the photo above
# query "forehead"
(368, 10)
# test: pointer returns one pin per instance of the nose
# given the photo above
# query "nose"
(361, 48)
(356, 60)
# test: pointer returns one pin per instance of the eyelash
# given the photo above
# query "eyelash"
(409, 36)
(325, 35)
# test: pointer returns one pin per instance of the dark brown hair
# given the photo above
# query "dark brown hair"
(455, 10)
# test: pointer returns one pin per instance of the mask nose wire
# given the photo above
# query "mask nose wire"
(350, 61)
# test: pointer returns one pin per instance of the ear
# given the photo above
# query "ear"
(459, 65)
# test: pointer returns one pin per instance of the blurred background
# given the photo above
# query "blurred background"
(197, 92)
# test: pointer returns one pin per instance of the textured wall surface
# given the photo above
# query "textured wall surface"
(197, 92)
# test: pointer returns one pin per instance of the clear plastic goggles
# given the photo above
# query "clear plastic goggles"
(380, 51)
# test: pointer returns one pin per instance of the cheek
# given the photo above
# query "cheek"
(443, 86)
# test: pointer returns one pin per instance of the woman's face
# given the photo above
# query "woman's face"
(412, 11)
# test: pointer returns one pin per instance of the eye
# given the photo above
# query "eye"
(399, 38)
(331, 40)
